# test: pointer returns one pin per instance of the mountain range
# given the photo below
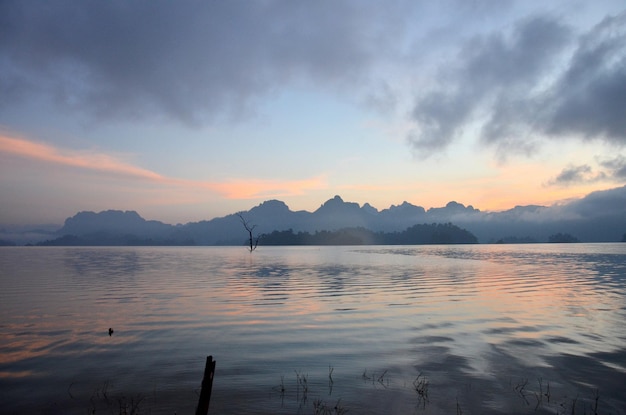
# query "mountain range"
(598, 217)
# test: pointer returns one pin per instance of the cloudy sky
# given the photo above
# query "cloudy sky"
(189, 110)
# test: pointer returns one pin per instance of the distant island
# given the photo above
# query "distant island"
(598, 217)
(415, 235)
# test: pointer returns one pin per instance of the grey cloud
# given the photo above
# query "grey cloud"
(381, 98)
(575, 175)
(515, 61)
(491, 73)
(606, 202)
(513, 89)
(440, 118)
(616, 167)
(590, 98)
(609, 170)
(191, 60)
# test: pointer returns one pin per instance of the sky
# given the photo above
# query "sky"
(186, 111)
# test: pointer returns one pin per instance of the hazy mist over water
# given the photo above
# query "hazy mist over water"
(491, 329)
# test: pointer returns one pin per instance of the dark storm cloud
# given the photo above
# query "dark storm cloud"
(189, 60)
(514, 88)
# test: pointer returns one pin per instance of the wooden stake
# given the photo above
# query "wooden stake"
(207, 385)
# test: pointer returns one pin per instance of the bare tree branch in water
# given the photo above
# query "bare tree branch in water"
(253, 242)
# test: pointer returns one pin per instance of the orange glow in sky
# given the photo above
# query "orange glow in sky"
(196, 121)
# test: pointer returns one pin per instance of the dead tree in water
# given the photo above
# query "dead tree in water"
(253, 242)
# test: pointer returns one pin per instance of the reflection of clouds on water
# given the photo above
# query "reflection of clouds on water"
(333, 279)
(277, 271)
(272, 281)
(605, 371)
(503, 381)
(109, 263)
(275, 281)
(476, 321)
(577, 259)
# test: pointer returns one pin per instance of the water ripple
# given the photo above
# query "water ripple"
(476, 320)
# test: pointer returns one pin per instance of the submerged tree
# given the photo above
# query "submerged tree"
(253, 242)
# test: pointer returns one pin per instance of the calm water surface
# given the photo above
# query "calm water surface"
(474, 329)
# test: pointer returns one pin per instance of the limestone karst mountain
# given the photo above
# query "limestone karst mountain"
(598, 217)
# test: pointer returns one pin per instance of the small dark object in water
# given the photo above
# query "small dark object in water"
(110, 331)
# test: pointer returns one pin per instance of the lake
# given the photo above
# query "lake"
(464, 329)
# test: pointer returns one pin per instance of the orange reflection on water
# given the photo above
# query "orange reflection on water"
(552, 301)
(464, 299)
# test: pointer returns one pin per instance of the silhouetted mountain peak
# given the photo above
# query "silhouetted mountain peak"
(335, 201)
(369, 209)
(270, 206)
(106, 216)
(109, 221)
(405, 207)
(336, 214)
(336, 204)
(457, 207)
(462, 208)
(600, 216)
(453, 208)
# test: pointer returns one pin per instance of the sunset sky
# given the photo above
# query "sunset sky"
(185, 111)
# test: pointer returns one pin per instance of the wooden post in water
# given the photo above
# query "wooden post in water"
(207, 385)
